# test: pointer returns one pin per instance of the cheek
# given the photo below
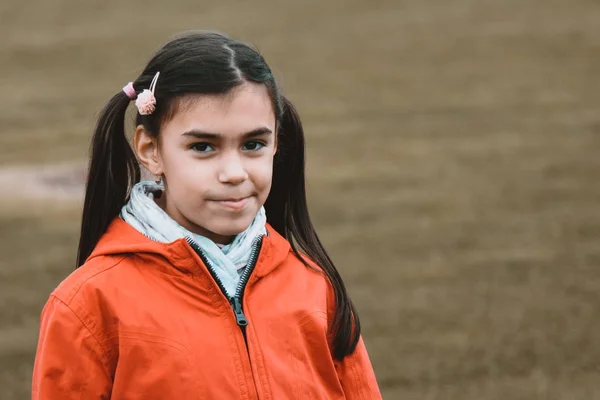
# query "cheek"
(263, 173)
(184, 173)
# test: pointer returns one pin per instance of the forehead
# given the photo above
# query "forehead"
(241, 110)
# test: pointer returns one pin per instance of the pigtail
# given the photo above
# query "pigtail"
(113, 170)
(287, 212)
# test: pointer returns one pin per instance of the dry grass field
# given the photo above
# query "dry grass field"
(453, 172)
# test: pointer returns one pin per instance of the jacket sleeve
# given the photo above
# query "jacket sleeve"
(357, 376)
(69, 362)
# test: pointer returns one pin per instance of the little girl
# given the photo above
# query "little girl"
(211, 282)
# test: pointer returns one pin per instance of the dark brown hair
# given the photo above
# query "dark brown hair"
(211, 63)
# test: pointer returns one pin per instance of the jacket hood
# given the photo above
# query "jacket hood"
(121, 239)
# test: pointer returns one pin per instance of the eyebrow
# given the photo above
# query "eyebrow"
(198, 134)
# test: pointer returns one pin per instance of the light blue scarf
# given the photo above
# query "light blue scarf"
(229, 261)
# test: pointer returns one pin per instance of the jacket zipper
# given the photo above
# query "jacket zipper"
(237, 300)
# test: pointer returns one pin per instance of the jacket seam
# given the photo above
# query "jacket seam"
(357, 379)
(72, 296)
(83, 324)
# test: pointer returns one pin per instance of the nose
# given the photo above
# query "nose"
(232, 170)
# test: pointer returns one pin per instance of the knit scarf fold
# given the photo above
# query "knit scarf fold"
(143, 214)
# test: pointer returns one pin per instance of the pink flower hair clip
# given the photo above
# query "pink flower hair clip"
(145, 102)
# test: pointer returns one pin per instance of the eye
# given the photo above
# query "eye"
(201, 147)
(253, 145)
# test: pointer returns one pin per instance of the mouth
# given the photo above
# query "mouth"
(233, 203)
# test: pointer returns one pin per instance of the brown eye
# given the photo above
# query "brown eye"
(201, 147)
(253, 145)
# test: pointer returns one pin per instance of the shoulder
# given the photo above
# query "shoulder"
(302, 270)
(89, 277)
(78, 303)
(303, 264)
(318, 277)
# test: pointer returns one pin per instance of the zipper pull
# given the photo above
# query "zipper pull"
(240, 318)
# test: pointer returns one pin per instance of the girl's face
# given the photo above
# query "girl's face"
(216, 158)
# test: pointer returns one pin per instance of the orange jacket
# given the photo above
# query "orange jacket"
(146, 320)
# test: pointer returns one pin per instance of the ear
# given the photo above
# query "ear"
(146, 149)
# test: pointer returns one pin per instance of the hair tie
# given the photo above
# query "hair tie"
(146, 101)
(129, 90)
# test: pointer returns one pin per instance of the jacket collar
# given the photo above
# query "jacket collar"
(121, 239)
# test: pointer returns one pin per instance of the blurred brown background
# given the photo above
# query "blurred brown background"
(452, 171)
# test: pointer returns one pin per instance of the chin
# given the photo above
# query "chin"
(231, 227)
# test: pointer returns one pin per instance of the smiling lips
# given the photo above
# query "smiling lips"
(233, 204)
